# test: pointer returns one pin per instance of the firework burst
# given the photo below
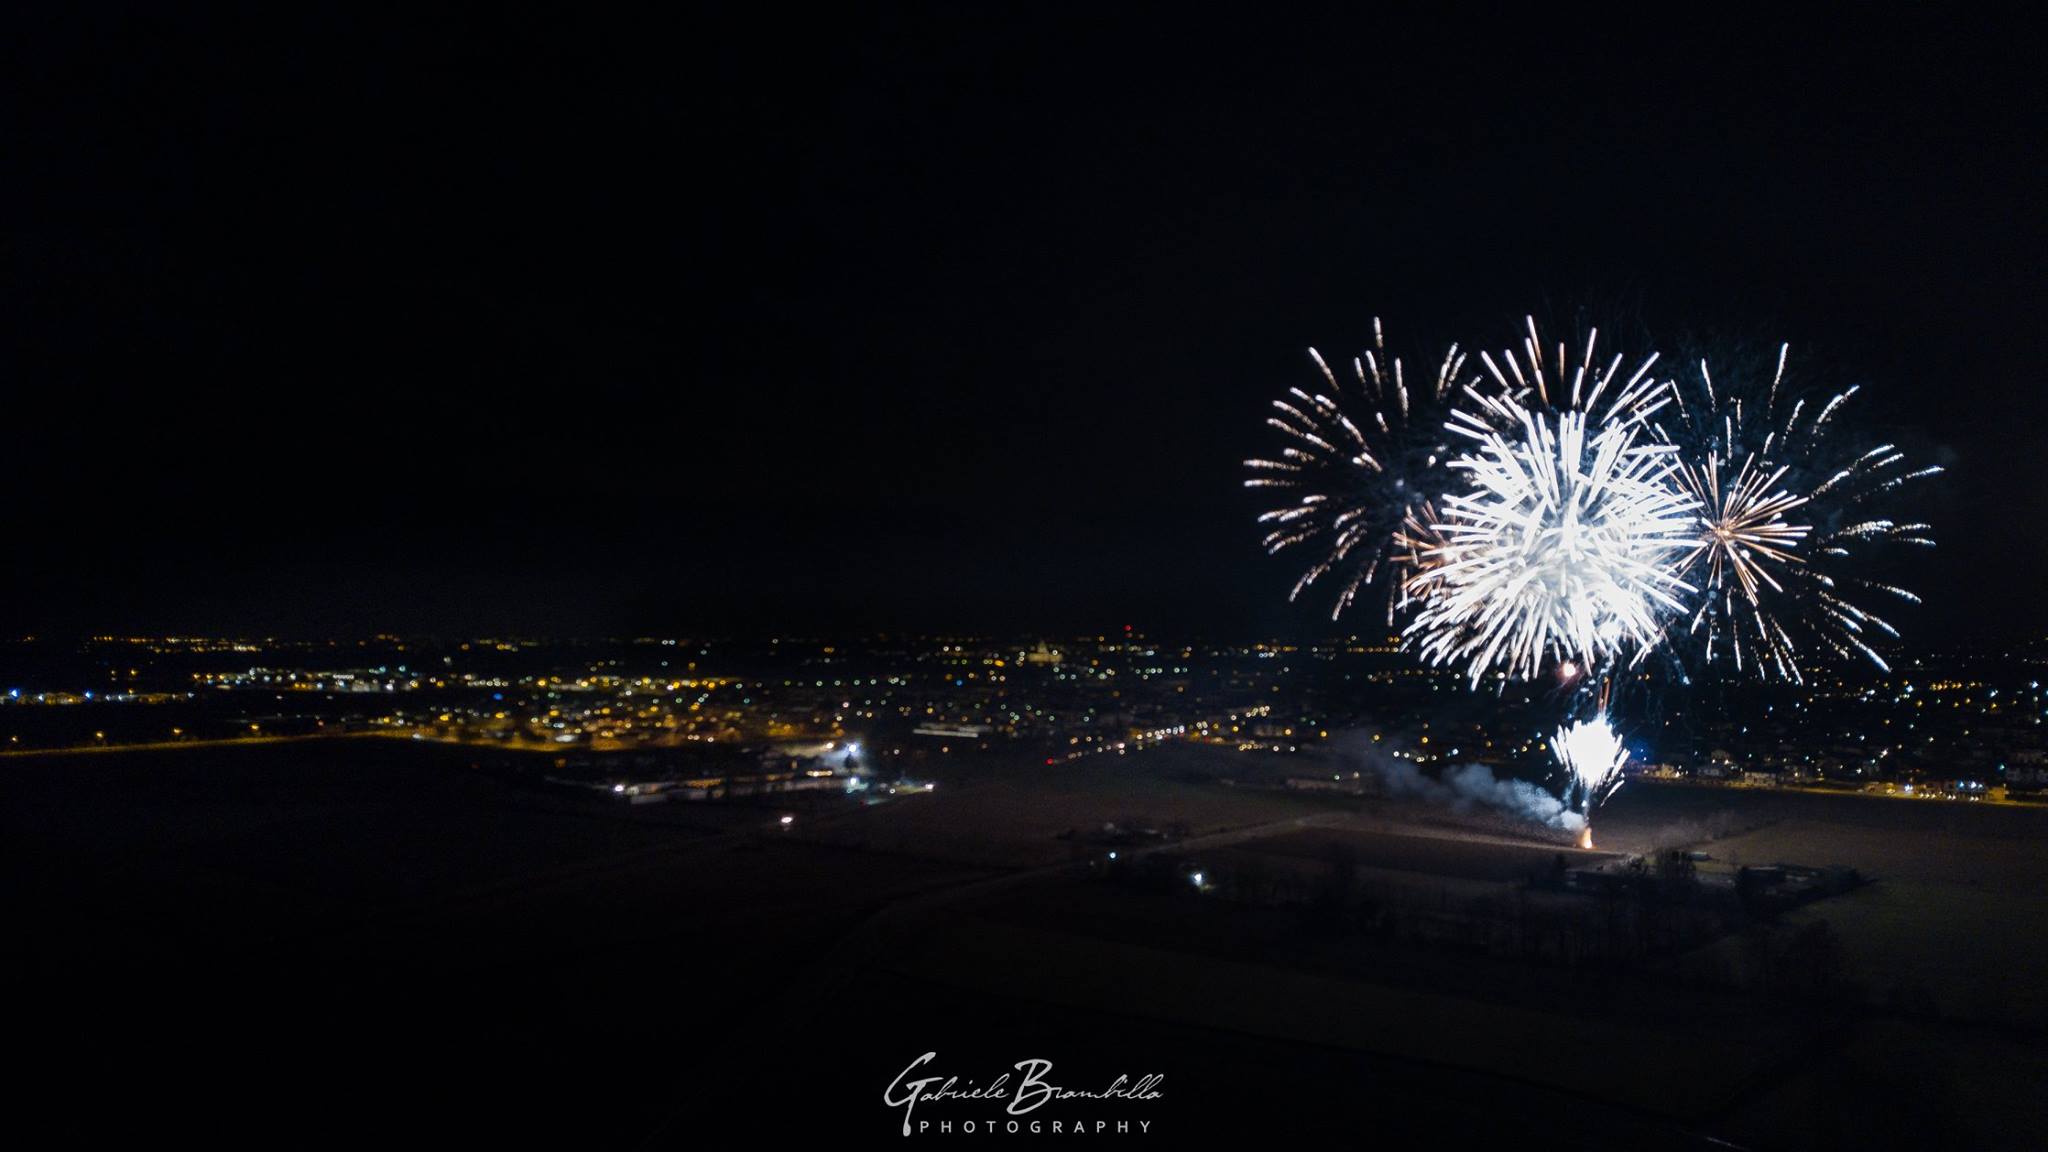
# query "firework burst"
(1784, 511)
(1592, 755)
(1562, 543)
(1360, 459)
(1579, 512)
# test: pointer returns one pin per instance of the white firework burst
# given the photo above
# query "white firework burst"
(1359, 459)
(1563, 546)
(1593, 755)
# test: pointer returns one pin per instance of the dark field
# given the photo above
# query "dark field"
(328, 944)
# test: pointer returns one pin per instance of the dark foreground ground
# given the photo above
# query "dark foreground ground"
(327, 945)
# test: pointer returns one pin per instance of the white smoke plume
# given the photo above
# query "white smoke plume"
(1463, 787)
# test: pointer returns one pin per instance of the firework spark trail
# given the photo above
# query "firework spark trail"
(1362, 458)
(1637, 398)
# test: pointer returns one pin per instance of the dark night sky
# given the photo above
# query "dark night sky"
(363, 322)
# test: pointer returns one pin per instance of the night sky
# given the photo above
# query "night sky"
(377, 322)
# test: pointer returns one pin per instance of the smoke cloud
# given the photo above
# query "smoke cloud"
(1463, 787)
